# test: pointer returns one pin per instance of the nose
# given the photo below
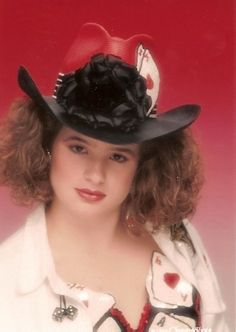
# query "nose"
(95, 172)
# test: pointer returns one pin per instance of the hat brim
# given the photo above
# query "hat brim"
(164, 123)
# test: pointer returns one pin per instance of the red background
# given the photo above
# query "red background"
(194, 45)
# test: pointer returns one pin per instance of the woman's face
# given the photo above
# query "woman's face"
(89, 176)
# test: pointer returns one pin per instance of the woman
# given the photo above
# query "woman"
(109, 247)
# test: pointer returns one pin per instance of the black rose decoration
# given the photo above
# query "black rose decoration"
(106, 92)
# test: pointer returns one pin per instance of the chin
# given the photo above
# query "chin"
(89, 210)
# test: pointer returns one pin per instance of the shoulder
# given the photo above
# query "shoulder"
(10, 252)
(10, 258)
(11, 248)
(12, 239)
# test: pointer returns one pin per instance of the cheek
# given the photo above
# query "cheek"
(62, 167)
(59, 168)
(123, 179)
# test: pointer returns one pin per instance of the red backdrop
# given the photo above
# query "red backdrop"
(194, 44)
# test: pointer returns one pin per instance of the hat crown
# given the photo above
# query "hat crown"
(92, 39)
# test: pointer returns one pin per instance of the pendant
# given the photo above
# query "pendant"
(60, 312)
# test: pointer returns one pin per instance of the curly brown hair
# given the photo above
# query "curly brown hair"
(168, 180)
(166, 184)
(25, 135)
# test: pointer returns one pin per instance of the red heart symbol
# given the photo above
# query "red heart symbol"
(149, 82)
(171, 279)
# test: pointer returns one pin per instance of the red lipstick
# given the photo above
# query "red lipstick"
(90, 195)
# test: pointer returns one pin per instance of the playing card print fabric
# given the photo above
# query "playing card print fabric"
(174, 302)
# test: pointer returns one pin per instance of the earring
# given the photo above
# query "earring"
(49, 154)
(178, 179)
(132, 226)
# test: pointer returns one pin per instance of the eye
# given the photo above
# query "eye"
(119, 158)
(78, 149)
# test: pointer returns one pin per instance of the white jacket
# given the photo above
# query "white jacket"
(28, 295)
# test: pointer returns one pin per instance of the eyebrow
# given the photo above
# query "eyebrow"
(115, 148)
(70, 138)
(125, 150)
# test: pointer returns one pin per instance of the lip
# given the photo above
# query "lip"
(90, 195)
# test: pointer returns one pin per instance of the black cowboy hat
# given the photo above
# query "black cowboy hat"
(108, 88)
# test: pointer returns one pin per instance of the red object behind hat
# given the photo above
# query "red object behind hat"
(94, 39)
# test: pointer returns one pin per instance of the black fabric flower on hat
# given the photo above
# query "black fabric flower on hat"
(106, 92)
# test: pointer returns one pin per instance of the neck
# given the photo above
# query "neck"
(83, 231)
